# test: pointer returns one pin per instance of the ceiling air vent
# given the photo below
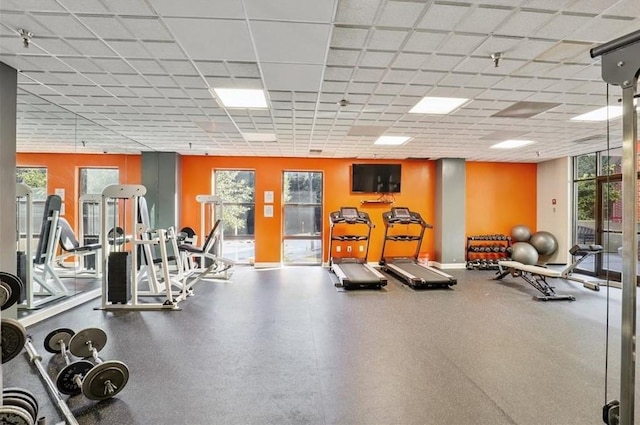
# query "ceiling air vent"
(315, 151)
(525, 109)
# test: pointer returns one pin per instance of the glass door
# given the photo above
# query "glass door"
(302, 215)
(609, 234)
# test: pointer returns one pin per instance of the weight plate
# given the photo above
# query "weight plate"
(52, 340)
(5, 293)
(105, 380)
(65, 381)
(13, 338)
(78, 343)
(16, 289)
(12, 415)
(11, 400)
(25, 395)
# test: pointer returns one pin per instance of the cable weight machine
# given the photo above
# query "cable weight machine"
(620, 67)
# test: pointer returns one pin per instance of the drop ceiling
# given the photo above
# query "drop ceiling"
(138, 74)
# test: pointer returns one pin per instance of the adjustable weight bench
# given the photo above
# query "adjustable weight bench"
(536, 276)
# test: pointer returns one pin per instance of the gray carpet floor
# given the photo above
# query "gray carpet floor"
(284, 346)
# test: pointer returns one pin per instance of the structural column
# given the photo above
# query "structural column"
(162, 176)
(449, 228)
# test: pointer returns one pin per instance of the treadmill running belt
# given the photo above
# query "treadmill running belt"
(358, 273)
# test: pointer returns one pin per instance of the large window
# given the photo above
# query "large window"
(36, 179)
(302, 239)
(237, 190)
(92, 182)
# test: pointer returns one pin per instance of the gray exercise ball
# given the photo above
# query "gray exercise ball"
(544, 242)
(525, 253)
(520, 233)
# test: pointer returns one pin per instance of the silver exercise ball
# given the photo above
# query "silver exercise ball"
(544, 242)
(520, 233)
(525, 253)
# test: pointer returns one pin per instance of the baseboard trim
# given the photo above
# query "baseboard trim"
(448, 266)
(266, 265)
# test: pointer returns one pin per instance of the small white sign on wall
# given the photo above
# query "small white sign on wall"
(60, 192)
(268, 210)
(268, 196)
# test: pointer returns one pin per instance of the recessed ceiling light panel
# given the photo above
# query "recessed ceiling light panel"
(600, 114)
(512, 144)
(241, 98)
(437, 105)
(391, 140)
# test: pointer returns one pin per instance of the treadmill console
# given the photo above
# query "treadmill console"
(349, 213)
(401, 213)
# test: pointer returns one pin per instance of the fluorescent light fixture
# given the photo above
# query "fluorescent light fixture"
(391, 140)
(259, 137)
(241, 98)
(437, 105)
(511, 144)
(600, 114)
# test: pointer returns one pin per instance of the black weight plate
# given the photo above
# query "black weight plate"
(11, 400)
(105, 380)
(78, 343)
(13, 338)
(15, 416)
(25, 395)
(65, 382)
(52, 340)
(16, 289)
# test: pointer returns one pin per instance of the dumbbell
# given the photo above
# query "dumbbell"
(106, 378)
(69, 379)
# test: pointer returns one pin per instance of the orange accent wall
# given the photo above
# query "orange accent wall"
(499, 196)
(63, 173)
(418, 185)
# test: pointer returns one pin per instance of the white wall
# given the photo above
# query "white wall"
(554, 182)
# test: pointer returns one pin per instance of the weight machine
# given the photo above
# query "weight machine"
(207, 261)
(120, 280)
(620, 66)
(42, 283)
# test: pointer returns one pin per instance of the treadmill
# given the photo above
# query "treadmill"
(408, 269)
(353, 272)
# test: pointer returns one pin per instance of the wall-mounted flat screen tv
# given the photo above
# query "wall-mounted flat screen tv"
(375, 178)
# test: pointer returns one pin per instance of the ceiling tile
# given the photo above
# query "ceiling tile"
(147, 28)
(443, 16)
(201, 47)
(386, 40)
(409, 60)
(461, 44)
(129, 7)
(105, 26)
(113, 65)
(290, 10)
(63, 25)
(377, 59)
(400, 14)
(84, 6)
(129, 49)
(290, 41)
(164, 49)
(199, 8)
(602, 29)
(524, 24)
(562, 25)
(357, 12)
(483, 20)
(343, 57)
(294, 77)
(424, 42)
(349, 37)
(91, 47)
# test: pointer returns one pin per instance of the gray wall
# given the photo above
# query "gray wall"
(161, 173)
(449, 228)
(8, 97)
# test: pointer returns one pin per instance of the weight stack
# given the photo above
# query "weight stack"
(119, 277)
(21, 271)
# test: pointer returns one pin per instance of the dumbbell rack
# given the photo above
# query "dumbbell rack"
(484, 251)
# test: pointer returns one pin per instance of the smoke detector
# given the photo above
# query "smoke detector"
(26, 37)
